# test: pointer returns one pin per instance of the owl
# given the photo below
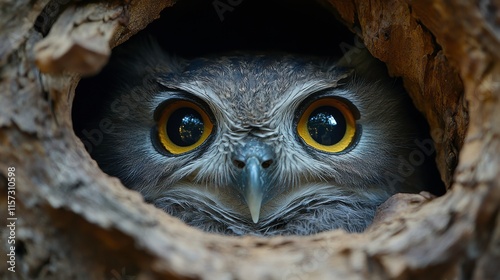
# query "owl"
(256, 143)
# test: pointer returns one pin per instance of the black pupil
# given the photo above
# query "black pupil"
(185, 127)
(327, 125)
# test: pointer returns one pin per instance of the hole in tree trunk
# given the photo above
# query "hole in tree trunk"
(212, 28)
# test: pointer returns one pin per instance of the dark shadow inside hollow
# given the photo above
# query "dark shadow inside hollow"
(192, 29)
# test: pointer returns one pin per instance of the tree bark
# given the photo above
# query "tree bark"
(75, 222)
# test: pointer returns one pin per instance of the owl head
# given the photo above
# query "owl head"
(257, 142)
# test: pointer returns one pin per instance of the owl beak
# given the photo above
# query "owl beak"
(254, 165)
(254, 187)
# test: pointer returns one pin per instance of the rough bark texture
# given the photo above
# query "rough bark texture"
(74, 222)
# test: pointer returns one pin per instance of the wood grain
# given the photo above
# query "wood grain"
(75, 222)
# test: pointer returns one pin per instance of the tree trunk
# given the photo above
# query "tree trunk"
(69, 220)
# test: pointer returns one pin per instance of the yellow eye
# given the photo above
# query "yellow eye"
(327, 125)
(183, 127)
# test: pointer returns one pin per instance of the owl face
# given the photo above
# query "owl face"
(260, 144)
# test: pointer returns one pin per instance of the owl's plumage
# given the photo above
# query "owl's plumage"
(255, 173)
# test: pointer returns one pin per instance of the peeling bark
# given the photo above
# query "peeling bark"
(75, 222)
